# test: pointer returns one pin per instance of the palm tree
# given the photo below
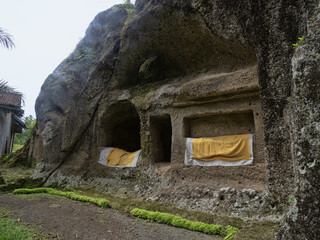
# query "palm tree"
(5, 88)
(7, 42)
(6, 39)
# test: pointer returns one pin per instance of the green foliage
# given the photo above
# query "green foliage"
(299, 43)
(130, 12)
(290, 199)
(21, 138)
(16, 147)
(176, 221)
(126, 1)
(97, 201)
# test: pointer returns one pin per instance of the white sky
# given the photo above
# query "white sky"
(45, 32)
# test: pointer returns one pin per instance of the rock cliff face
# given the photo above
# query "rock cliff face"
(177, 64)
(304, 214)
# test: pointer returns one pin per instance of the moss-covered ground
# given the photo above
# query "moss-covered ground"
(12, 178)
(15, 229)
(253, 229)
(249, 230)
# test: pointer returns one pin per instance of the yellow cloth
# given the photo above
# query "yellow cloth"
(225, 148)
(119, 157)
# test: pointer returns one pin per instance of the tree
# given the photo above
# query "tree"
(21, 138)
(7, 42)
(6, 39)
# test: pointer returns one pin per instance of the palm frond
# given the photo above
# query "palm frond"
(4, 87)
(6, 39)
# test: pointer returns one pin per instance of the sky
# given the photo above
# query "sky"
(45, 32)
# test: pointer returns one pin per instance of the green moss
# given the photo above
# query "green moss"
(130, 14)
(19, 158)
(130, 202)
(17, 178)
(290, 198)
(177, 221)
(257, 230)
(97, 201)
(128, 7)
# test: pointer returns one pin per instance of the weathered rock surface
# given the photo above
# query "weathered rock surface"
(182, 59)
(70, 95)
(303, 218)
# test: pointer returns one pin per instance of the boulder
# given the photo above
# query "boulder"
(164, 63)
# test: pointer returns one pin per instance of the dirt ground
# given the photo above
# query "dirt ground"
(66, 219)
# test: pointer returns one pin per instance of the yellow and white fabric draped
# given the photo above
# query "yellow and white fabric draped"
(232, 150)
(116, 157)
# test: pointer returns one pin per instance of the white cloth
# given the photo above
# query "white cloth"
(105, 152)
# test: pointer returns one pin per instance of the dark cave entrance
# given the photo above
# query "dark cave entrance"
(121, 127)
(161, 138)
(126, 134)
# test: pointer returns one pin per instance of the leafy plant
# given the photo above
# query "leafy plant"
(299, 43)
(21, 138)
(290, 199)
(97, 201)
(177, 221)
(130, 12)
